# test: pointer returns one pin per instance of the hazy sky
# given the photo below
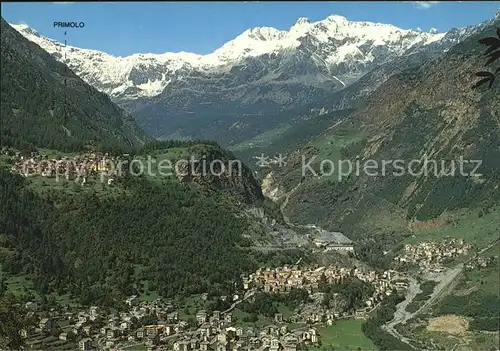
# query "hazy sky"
(123, 28)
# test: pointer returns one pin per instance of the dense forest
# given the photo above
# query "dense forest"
(96, 247)
(12, 320)
(352, 290)
(266, 304)
(481, 307)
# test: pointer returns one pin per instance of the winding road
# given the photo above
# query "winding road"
(248, 294)
(285, 203)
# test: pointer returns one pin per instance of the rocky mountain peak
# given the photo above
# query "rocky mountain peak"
(337, 18)
(335, 42)
(262, 71)
(302, 20)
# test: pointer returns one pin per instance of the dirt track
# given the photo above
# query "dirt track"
(445, 280)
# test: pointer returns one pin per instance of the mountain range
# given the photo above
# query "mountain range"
(254, 82)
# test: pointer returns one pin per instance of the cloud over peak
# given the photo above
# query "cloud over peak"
(424, 5)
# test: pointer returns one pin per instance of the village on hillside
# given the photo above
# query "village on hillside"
(431, 256)
(76, 168)
(95, 328)
(284, 279)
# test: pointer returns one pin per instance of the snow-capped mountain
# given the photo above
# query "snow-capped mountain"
(261, 72)
(331, 43)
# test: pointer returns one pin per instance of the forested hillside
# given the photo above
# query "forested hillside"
(98, 244)
(44, 104)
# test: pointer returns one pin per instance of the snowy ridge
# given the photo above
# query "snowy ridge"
(334, 46)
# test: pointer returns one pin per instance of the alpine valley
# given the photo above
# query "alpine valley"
(269, 256)
(256, 82)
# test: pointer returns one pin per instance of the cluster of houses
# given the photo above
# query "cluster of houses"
(216, 331)
(77, 168)
(97, 329)
(283, 279)
(481, 262)
(94, 328)
(430, 256)
(157, 324)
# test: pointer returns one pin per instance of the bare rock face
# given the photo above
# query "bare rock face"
(271, 188)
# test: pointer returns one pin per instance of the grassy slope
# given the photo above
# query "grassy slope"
(344, 335)
(464, 224)
(287, 137)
